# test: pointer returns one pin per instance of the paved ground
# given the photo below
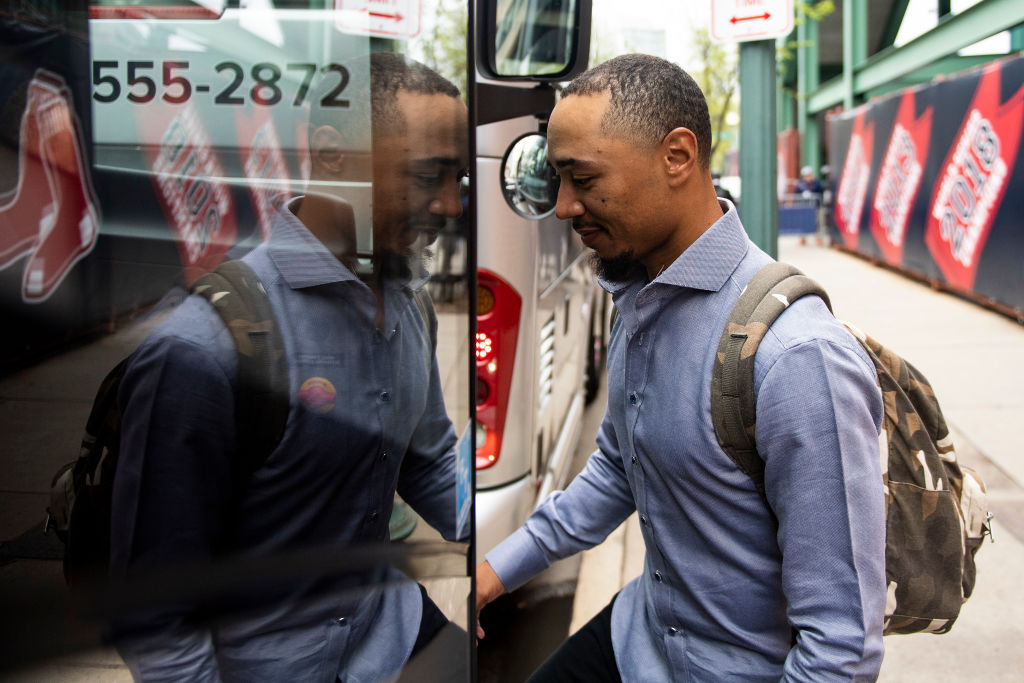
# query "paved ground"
(975, 360)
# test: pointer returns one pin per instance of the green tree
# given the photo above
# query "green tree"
(443, 44)
(717, 74)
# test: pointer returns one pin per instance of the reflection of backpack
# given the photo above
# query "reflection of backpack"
(81, 490)
(936, 510)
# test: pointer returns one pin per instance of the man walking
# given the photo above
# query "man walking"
(732, 588)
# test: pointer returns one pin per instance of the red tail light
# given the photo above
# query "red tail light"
(497, 326)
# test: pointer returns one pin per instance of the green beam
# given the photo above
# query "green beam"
(785, 110)
(897, 12)
(758, 160)
(951, 34)
(807, 82)
(1017, 38)
(949, 65)
(855, 46)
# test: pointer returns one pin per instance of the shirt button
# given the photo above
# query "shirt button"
(383, 456)
(643, 519)
(634, 459)
(632, 399)
(673, 630)
(340, 621)
(658, 577)
(373, 515)
(385, 396)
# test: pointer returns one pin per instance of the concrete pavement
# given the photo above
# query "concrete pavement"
(975, 360)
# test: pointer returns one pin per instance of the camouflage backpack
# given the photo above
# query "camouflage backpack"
(936, 510)
(81, 490)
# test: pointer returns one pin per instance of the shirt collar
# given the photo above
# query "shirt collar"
(304, 261)
(707, 263)
(301, 258)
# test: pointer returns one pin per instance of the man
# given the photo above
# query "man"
(366, 415)
(731, 590)
(808, 185)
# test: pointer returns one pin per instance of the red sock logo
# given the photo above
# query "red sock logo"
(52, 214)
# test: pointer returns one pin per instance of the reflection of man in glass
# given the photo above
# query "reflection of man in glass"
(366, 415)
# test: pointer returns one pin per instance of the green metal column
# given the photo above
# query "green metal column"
(758, 148)
(807, 83)
(1017, 38)
(855, 45)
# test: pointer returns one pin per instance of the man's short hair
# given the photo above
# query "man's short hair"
(649, 97)
(390, 72)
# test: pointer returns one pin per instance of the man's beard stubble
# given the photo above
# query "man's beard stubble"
(617, 269)
(391, 265)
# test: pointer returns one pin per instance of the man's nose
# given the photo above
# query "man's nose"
(448, 201)
(566, 204)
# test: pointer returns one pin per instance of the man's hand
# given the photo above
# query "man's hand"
(488, 588)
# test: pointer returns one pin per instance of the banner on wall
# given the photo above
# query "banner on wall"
(853, 181)
(900, 178)
(940, 165)
(973, 180)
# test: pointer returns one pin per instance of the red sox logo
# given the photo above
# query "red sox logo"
(853, 182)
(973, 180)
(900, 178)
(52, 214)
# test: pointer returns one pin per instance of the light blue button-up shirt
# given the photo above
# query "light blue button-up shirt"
(726, 588)
(366, 417)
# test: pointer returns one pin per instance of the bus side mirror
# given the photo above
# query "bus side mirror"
(528, 182)
(533, 40)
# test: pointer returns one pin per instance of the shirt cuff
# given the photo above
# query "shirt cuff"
(517, 559)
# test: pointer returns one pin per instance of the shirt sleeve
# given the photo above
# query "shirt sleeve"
(170, 495)
(593, 505)
(427, 478)
(819, 413)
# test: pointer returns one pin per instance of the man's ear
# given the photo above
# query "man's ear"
(326, 145)
(680, 156)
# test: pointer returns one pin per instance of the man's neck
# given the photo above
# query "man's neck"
(332, 221)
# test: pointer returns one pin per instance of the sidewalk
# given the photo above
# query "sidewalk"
(975, 360)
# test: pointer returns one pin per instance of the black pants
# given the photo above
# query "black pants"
(586, 657)
(441, 652)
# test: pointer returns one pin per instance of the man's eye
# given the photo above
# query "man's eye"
(427, 179)
(580, 182)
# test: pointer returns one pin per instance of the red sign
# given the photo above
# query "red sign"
(972, 180)
(187, 176)
(900, 178)
(264, 165)
(853, 182)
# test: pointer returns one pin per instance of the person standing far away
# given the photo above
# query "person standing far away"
(732, 588)
(808, 185)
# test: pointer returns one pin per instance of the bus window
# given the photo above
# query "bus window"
(153, 143)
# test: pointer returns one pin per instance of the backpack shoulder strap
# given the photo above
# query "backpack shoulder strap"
(261, 401)
(733, 413)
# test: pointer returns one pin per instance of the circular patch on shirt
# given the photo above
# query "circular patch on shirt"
(317, 395)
